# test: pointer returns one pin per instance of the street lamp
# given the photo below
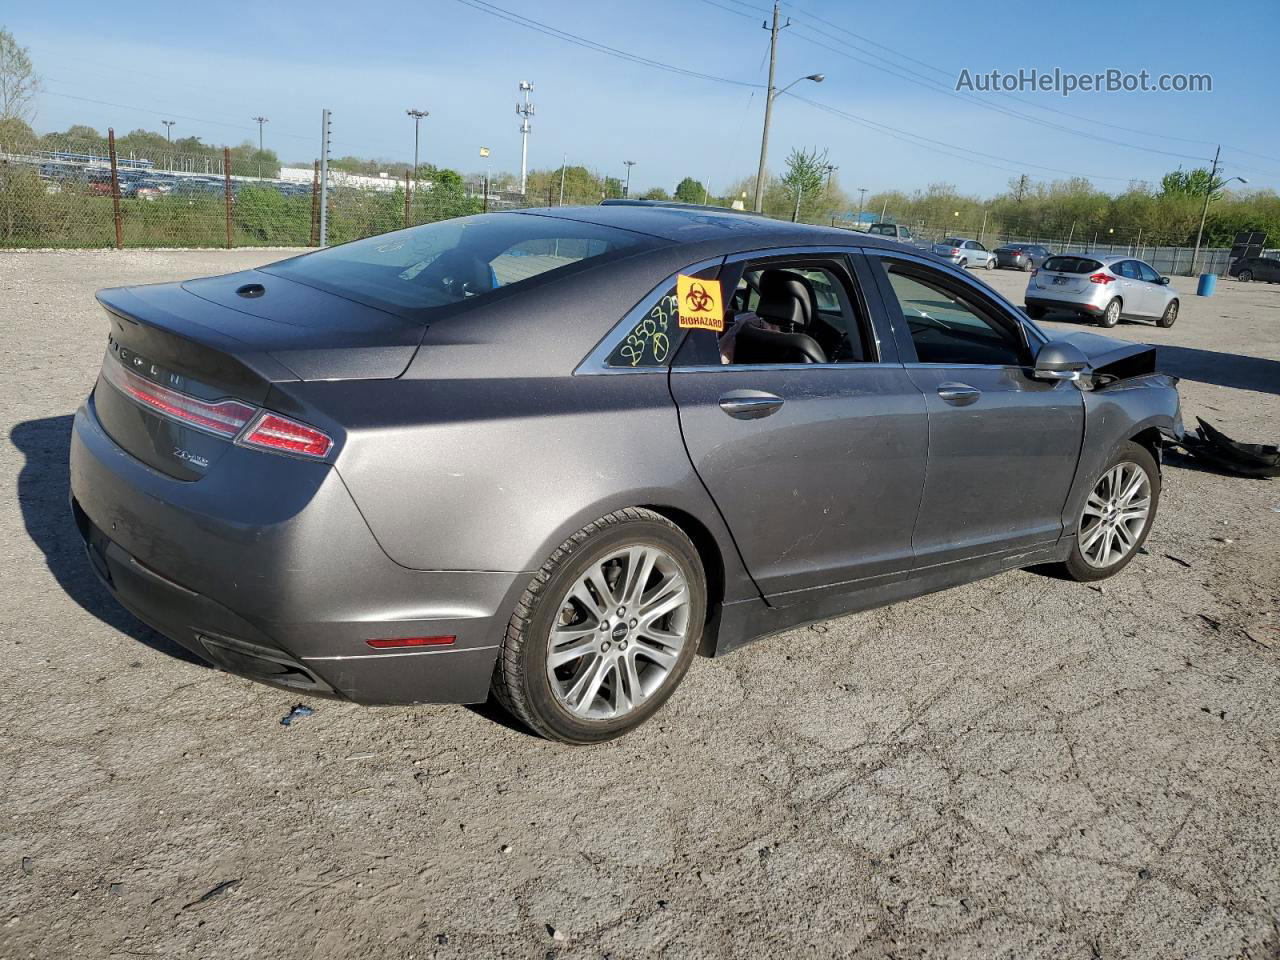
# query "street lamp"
(259, 121)
(417, 120)
(626, 191)
(1208, 193)
(862, 196)
(772, 95)
(168, 130)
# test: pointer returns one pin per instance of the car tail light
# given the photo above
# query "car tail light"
(955, 251)
(274, 432)
(1102, 278)
(225, 418)
(392, 642)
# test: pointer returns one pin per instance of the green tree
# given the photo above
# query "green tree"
(18, 81)
(655, 193)
(690, 190)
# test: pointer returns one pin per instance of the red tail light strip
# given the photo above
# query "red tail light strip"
(226, 418)
(1102, 278)
(275, 432)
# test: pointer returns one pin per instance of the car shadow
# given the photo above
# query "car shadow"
(44, 492)
(1222, 369)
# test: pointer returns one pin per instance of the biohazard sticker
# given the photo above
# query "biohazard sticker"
(700, 305)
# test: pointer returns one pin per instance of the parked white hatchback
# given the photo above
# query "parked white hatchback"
(965, 253)
(1102, 288)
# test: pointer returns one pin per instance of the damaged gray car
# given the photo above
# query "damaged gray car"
(553, 454)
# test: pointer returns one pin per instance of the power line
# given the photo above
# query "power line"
(550, 31)
(166, 113)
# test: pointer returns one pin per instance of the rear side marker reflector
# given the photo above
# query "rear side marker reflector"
(225, 418)
(411, 642)
(274, 432)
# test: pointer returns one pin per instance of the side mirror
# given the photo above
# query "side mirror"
(1058, 360)
(1164, 281)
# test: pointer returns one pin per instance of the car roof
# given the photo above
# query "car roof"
(691, 224)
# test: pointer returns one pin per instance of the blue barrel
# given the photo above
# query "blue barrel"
(1207, 282)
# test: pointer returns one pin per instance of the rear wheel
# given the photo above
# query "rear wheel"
(1246, 275)
(1026, 265)
(1116, 516)
(1035, 313)
(1169, 316)
(605, 631)
(1110, 316)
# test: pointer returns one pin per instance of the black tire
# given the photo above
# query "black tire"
(1169, 316)
(1036, 313)
(1076, 567)
(1027, 265)
(1111, 315)
(520, 680)
(1245, 276)
(991, 263)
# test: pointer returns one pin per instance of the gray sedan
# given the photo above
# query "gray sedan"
(554, 454)
(964, 252)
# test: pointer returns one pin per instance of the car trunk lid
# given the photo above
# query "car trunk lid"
(188, 365)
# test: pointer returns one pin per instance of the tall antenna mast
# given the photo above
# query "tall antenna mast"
(524, 111)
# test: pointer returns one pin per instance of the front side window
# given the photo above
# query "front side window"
(1149, 275)
(948, 325)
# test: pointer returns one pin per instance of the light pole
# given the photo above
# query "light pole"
(768, 116)
(830, 168)
(1210, 188)
(168, 130)
(626, 190)
(862, 196)
(417, 122)
(772, 94)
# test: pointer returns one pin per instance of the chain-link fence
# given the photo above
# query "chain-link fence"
(62, 191)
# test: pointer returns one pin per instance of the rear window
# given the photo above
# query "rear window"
(443, 263)
(1071, 265)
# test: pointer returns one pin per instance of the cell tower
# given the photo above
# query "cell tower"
(524, 111)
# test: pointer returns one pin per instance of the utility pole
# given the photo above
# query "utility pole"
(324, 178)
(862, 202)
(417, 121)
(168, 130)
(831, 168)
(259, 121)
(524, 111)
(1208, 192)
(795, 215)
(768, 106)
(564, 161)
(488, 166)
(626, 190)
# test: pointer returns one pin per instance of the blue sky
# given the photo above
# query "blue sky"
(213, 66)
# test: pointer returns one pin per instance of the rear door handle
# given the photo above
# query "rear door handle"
(958, 394)
(749, 404)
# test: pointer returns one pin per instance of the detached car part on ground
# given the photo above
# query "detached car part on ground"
(486, 454)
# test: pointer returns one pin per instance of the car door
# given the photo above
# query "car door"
(972, 257)
(1157, 294)
(1003, 447)
(1129, 287)
(817, 468)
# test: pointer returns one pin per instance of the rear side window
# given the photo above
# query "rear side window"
(444, 263)
(1071, 265)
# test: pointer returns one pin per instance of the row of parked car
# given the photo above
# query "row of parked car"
(150, 184)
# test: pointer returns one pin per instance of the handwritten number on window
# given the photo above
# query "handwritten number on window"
(649, 342)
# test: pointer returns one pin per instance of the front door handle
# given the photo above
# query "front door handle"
(958, 394)
(749, 404)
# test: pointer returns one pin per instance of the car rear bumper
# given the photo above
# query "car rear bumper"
(281, 581)
(1077, 304)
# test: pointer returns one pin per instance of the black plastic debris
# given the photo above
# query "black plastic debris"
(299, 712)
(1216, 449)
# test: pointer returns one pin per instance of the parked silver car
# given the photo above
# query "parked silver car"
(1021, 256)
(964, 252)
(1104, 288)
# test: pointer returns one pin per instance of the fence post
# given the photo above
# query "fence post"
(315, 206)
(226, 186)
(115, 187)
(406, 199)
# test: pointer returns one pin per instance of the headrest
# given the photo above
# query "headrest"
(785, 298)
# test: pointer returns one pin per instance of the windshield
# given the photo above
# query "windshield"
(443, 263)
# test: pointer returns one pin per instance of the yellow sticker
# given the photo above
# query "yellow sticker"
(700, 304)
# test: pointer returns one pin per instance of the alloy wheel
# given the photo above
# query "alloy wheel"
(1115, 514)
(618, 633)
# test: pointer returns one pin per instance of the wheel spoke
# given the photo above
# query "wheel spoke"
(1091, 537)
(665, 658)
(566, 651)
(628, 692)
(640, 564)
(667, 597)
(1136, 483)
(582, 694)
(1094, 505)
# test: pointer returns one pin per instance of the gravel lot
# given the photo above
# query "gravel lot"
(1024, 767)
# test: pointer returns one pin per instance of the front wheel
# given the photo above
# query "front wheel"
(1110, 316)
(1245, 276)
(991, 263)
(605, 631)
(1169, 316)
(1116, 516)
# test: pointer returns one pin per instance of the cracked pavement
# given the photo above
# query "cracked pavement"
(1023, 767)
